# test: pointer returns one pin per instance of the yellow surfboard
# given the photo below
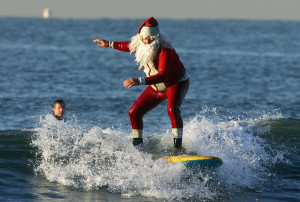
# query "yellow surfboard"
(203, 161)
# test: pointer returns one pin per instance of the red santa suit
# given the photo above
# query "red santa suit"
(167, 79)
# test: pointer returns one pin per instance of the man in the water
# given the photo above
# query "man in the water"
(58, 109)
(166, 78)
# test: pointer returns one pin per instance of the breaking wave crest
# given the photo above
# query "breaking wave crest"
(97, 158)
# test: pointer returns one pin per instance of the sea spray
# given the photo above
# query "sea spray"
(96, 158)
(247, 157)
(105, 158)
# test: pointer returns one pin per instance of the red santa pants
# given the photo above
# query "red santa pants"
(151, 98)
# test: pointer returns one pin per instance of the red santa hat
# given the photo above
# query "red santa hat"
(149, 28)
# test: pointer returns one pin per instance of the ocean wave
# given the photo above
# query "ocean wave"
(105, 158)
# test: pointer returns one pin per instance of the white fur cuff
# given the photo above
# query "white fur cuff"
(177, 132)
(111, 44)
(142, 81)
(137, 133)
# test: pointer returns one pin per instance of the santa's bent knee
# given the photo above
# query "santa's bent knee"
(132, 113)
(135, 117)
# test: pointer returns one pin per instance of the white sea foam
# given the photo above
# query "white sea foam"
(97, 158)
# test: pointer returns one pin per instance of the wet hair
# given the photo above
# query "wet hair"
(59, 101)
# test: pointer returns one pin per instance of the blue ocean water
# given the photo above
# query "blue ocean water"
(242, 106)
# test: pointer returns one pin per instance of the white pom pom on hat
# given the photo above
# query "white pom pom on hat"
(149, 28)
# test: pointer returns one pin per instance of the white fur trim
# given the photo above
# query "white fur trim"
(161, 87)
(177, 132)
(149, 31)
(137, 133)
(142, 81)
(111, 44)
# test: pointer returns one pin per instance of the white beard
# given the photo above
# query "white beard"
(144, 53)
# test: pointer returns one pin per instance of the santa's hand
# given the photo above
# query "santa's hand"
(131, 82)
(101, 43)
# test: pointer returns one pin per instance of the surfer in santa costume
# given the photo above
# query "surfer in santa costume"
(166, 78)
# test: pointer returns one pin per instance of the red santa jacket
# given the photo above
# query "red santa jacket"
(167, 69)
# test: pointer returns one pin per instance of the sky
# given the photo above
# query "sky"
(172, 9)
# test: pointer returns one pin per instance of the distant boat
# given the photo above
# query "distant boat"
(46, 13)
